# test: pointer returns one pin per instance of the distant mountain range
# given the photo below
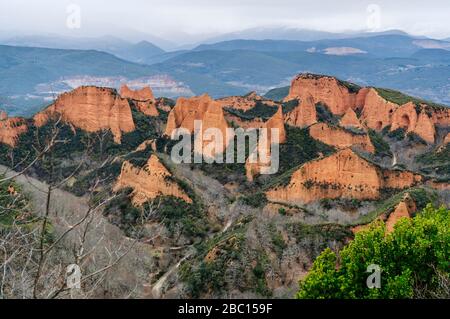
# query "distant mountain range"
(140, 52)
(30, 73)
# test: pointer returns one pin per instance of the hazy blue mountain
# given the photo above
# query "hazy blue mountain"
(140, 52)
(391, 45)
(432, 55)
(245, 70)
(23, 69)
(291, 33)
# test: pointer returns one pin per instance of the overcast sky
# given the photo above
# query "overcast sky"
(171, 18)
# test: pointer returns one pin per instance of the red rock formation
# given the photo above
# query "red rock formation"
(350, 120)
(143, 99)
(245, 102)
(425, 128)
(404, 209)
(377, 112)
(3, 115)
(406, 117)
(340, 138)
(203, 108)
(144, 94)
(91, 109)
(275, 122)
(147, 107)
(324, 89)
(400, 179)
(11, 129)
(304, 114)
(341, 175)
(149, 182)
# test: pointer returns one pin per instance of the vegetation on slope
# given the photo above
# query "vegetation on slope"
(414, 262)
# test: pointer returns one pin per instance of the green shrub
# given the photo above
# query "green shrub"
(414, 260)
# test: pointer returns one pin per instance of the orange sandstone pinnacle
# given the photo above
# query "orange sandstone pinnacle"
(149, 182)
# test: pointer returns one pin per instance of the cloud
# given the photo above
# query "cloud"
(174, 18)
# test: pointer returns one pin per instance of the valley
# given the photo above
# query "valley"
(350, 157)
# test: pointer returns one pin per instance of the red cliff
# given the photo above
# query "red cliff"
(341, 138)
(149, 182)
(11, 129)
(91, 109)
(327, 90)
(304, 114)
(342, 175)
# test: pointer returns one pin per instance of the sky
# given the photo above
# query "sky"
(184, 21)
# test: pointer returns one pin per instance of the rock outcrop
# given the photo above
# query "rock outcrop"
(11, 129)
(143, 99)
(404, 209)
(342, 175)
(341, 138)
(200, 108)
(304, 114)
(342, 99)
(144, 94)
(149, 182)
(406, 117)
(245, 102)
(264, 147)
(327, 90)
(91, 109)
(377, 112)
(350, 120)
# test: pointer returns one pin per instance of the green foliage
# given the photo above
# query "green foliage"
(410, 258)
(324, 114)
(278, 242)
(277, 94)
(421, 196)
(299, 148)
(209, 274)
(398, 134)
(290, 105)
(401, 98)
(436, 163)
(256, 200)
(15, 209)
(260, 110)
(382, 148)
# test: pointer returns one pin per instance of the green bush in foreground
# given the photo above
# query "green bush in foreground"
(414, 261)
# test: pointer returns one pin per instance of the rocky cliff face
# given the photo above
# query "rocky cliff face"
(350, 120)
(143, 99)
(376, 112)
(91, 109)
(201, 108)
(340, 138)
(144, 94)
(11, 129)
(327, 90)
(149, 182)
(341, 175)
(275, 122)
(304, 114)
(406, 117)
